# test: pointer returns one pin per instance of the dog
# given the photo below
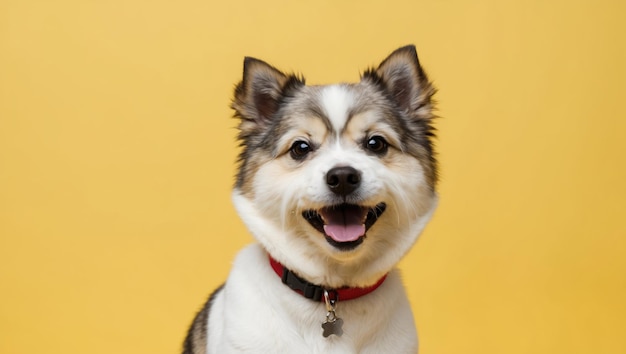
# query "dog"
(336, 183)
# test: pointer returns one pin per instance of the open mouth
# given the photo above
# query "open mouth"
(344, 225)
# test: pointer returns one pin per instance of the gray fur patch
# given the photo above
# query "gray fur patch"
(197, 336)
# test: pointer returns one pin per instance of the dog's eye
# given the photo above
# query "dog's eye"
(377, 144)
(299, 150)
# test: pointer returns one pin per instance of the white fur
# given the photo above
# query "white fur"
(337, 100)
(256, 313)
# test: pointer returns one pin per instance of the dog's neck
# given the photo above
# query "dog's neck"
(316, 292)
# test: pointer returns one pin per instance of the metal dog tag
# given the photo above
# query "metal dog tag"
(333, 324)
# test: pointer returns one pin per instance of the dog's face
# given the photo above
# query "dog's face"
(336, 181)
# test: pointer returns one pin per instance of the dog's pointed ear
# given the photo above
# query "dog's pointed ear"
(404, 79)
(258, 95)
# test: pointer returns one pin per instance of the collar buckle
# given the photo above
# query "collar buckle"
(308, 290)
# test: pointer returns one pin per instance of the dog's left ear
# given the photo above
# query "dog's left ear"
(405, 80)
(258, 95)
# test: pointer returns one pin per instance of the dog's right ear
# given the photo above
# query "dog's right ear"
(405, 81)
(258, 95)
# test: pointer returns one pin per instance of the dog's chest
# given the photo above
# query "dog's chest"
(256, 313)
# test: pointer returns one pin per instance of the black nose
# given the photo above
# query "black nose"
(343, 180)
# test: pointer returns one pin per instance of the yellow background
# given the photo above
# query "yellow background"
(117, 157)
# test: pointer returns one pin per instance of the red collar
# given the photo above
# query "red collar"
(315, 292)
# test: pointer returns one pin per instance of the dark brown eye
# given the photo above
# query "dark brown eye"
(377, 144)
(299, 150)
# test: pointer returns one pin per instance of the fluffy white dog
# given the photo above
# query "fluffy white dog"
(336, 183)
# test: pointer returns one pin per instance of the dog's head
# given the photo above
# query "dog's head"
(336, 181)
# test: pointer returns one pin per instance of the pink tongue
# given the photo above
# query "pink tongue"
(344, 233)
(344, 223)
